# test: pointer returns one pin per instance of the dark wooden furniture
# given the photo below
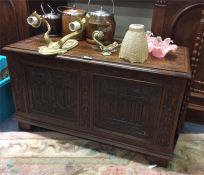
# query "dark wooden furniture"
(13, 16)
(106, 99)
(183, 21)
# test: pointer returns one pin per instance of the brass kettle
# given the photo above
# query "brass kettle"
(101, 20)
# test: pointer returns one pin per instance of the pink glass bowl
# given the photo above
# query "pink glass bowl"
(158, 47)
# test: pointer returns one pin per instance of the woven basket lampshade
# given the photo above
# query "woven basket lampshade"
(134, 45)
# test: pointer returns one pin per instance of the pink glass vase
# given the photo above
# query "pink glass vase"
(158, 47)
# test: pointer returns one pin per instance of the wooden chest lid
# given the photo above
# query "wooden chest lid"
(174, 65)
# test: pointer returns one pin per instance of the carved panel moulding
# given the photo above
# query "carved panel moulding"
(161, 2)
(17, 83)
(128, 108)
(196, 50)
(199, 82)
(180, 14)
(52, 91)
(85, 99)
(169, 107)
(197, 90)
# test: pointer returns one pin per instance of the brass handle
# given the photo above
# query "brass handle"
(61, 11)
(42, 4)
(113, 10)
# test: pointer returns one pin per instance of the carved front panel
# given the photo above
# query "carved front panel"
(126, 106)
(53, 92)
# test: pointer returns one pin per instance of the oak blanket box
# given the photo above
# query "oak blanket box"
(133, 106)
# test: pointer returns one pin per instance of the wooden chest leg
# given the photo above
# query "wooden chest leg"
(158, 161)
(25, 126)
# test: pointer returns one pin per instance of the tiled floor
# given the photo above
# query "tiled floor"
(11, 125)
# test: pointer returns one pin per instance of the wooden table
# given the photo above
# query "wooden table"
(105, 99)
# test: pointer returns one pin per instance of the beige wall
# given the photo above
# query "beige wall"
(141, 13)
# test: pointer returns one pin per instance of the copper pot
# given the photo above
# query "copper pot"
(69, 15)
(101, 20)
